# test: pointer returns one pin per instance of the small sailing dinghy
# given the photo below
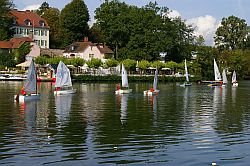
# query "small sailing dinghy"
(63, 84)
(217, 76)
(29, 90)
(125, 85)
(186, 83)
(154, 90)
(234, 80)
(224, 78)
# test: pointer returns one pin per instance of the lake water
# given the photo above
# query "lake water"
(194, 126)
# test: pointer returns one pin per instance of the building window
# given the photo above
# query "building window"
(91, 56)
(45, 41)
(27, 22)
(42, 42)
(45, 33)
(39, 43)
(42, 23)
(21, 31)
(42, 32)
(36, 32)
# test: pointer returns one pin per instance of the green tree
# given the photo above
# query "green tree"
(94, 63)
(232, 33)
(21, 52)
(158, 64)
(111, 18)
(76, 62)
(5, 20)
(52, 16)
(41, 60)
(129, 64)
(143, 33)
(172, 65)
(7, 59)
(44, 6)
(111, 62)
(144, 64)
(56, 60)
(205, 56)
(74, 22)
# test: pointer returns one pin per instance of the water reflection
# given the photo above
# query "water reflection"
(153, 102)
(181, 126)
(234, 91)
(63, 107)
(71, 129)
(30, 114)
(122, 103)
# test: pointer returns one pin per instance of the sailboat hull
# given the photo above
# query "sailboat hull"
(22, 98)
(123, 91)
(65, 92)
(185, 84)
(234, 84)
(151, 93)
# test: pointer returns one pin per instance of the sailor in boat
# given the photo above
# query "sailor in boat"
(118, 87)
(23, 92)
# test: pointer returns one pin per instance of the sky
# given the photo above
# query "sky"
(204, 15)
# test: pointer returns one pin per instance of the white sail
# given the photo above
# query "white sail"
(234, 77)
(186, 71)
(124, 77)
(217, 76)
(63, 78)
(224, 77)
(30, 84)
(155, 79)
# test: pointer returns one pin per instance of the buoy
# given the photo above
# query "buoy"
(213, 164)
(115, 148)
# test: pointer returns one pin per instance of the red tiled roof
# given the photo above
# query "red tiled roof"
(21, 16)
(5, 44)
(17, 42)
(14, 42)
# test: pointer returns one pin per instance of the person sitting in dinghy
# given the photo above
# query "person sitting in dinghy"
(118, 87)
(152, 90)
(23, 92)
(58, 88)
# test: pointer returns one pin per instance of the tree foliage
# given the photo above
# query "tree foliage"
(42, 9)
(144, 64)
(5, 20)
(158, 64)
(21, 52)
(52, 16)
(74, 22)
(7, 59)
(232, 33)
(111, 62)
(94, 63)
(142, 33)
(129, 64)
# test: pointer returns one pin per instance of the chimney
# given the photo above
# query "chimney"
(85, 39)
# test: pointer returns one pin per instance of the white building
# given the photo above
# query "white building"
(87, 50)
(30, 24)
